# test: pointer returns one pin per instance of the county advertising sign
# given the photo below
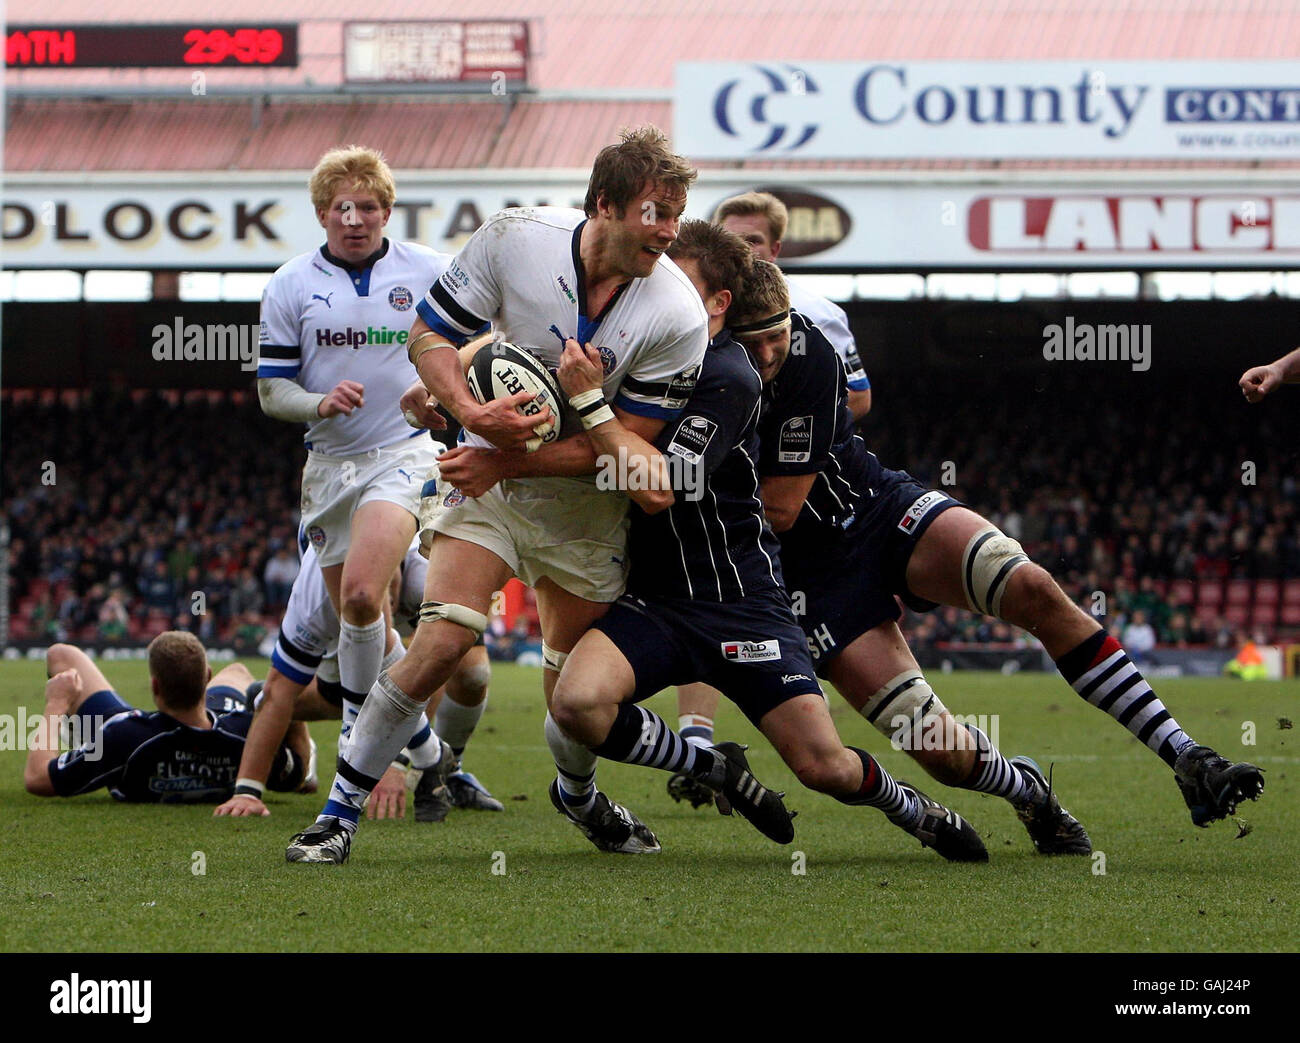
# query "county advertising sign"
(988, 110)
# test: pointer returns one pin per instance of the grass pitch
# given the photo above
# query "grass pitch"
(89, 874)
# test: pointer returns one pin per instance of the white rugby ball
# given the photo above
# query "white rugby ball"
(500, 370)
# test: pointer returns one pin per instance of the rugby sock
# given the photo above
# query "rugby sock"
(639, 736)
(879, 790)
(696, 729)
(424, 747)
(575, 767)
(395, 656)
(382, 728)
(455, 723)
(361, 651)
(350, 711)
(993, 773)
(1100, 670)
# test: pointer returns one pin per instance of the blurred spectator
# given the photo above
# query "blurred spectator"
(1139, 638)
(113, 618)
(279, 575)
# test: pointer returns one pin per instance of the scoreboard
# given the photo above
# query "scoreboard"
(179, 45)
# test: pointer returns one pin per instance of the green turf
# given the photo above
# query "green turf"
(89, 874)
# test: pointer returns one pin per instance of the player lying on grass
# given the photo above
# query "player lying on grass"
(540, 275)
(303, 684)
(705, 603)
(855, 534)
(187, 750)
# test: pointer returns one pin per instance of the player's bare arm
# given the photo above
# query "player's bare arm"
(270, 725)
(61, 695)
(614, 435)
(783, 498)
(443, 375)
(1259, 381)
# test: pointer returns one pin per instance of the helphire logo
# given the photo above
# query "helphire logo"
(96, 996)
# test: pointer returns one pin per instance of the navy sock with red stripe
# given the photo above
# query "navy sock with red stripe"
(879, 790)
(1100, 670)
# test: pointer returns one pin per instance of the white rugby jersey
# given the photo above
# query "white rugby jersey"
(829, 317)
(324, 320)
(521, 271)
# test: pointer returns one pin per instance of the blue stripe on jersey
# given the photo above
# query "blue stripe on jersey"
(438, 324)
(859, 384)
(438, 301)
(296, 673)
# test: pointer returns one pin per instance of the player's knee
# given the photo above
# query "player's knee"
(469, 684)
(60, 657)
(432, 657)
(360, 606)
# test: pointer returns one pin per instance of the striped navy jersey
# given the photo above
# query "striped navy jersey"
(325, 320)
(154, 758)
(523, 272)
(806, 428)
(712, 544)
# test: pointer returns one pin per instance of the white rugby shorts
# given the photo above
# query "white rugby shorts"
(561, 528)
(334, 487)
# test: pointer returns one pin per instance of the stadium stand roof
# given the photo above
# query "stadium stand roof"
(594, 68)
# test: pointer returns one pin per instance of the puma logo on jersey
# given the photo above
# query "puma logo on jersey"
(326, 299)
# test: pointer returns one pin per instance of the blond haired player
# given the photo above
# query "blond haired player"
(333, 340)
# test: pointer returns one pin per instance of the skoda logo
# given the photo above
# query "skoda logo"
(740, 108)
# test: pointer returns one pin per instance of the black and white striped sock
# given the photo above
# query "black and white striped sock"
(993, 773)
(1100, 670)
(639, 736)
(879, 790)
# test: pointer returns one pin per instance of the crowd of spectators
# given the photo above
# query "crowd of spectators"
(133, 511)
(129, 513)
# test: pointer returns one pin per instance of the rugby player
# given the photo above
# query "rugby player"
(333, 339)
(855, 534)
(760, 219)
(1259, 381)
(705, 602)
(542, 276)
(303, 684)
(186, 751)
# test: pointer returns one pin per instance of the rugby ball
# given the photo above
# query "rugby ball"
(500, 370)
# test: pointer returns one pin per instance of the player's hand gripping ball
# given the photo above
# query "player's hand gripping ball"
(500, 370)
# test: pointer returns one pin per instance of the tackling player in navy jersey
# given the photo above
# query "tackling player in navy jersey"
(705, 603)
(855, 534)
(542, 276)
(186, 751)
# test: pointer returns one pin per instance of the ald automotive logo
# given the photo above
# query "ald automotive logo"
(956, 110)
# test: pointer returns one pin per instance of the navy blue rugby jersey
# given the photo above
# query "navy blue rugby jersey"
(806, 428)
(154, 758)
(712, 544)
